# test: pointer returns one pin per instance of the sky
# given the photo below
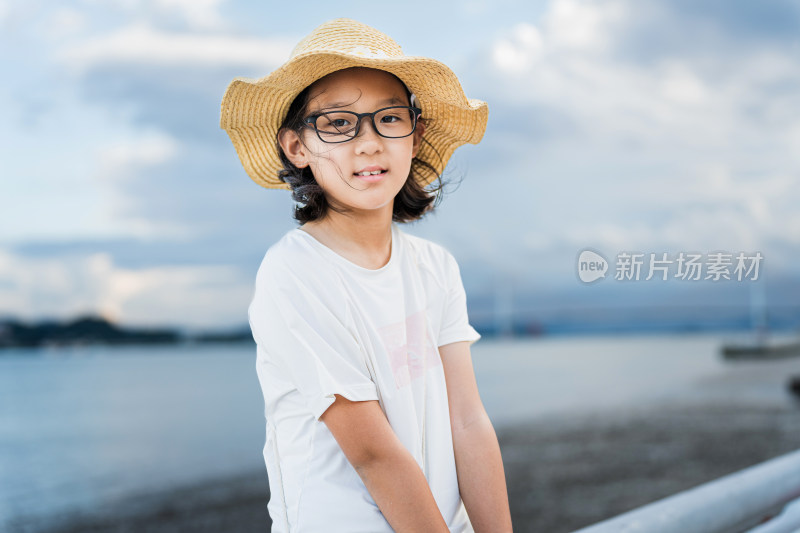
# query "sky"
(616, 125)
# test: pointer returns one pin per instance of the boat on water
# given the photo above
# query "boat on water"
(762, 350)
(760, 345)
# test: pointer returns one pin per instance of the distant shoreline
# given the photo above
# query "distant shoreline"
(94, 330)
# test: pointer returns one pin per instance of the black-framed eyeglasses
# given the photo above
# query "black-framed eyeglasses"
(392, 122)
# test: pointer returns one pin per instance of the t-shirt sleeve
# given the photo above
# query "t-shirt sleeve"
(455, 321)
(303, 335)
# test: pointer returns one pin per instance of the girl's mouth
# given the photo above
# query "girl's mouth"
(370, 176)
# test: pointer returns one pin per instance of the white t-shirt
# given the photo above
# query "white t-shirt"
(323, 326)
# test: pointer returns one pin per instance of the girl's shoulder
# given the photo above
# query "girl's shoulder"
(293, 259)
(430, 254)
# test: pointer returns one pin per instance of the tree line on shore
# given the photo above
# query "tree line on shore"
(88, 330)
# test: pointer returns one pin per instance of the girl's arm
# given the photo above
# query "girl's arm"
(390, 473)
(481, 478)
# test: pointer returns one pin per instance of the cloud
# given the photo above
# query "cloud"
(128, 165)
(682, 86)
(687, 142)
(192, 14)
(582, 25)
(577, 61)
(577, 114)
(142, 44)
(64, 286)
(520, 51)
(198, 13)
(618, 124)
(198, 191)
(65, 22)
(746, 22)
(126, 158)
(166, 177)
(167, 81)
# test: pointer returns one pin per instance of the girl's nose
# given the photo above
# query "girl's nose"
(367, 140)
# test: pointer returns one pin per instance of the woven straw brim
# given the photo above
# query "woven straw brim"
(254, 109)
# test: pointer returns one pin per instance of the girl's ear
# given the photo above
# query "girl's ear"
(418, 133)
(293, 147)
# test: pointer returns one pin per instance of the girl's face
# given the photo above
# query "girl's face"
(337, 167)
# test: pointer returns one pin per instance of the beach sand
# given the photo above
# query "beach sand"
(562, 473)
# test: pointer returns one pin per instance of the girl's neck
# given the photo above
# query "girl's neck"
(365, 240)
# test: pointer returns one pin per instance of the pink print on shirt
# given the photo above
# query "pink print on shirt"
(410, 348)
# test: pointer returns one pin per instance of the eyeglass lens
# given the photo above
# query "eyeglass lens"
(391, 122)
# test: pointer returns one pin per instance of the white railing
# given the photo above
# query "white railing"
(731, 504)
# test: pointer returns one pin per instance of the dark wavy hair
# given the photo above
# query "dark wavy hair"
(411, 203)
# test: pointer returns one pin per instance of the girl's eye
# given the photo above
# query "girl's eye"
(336, 122)
(391, 119)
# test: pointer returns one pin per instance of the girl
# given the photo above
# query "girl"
(374, 422)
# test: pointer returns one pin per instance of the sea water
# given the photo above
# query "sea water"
(82, 428)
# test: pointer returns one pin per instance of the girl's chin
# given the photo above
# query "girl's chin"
(367, 206)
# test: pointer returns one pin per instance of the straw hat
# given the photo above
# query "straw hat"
(254, 109)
